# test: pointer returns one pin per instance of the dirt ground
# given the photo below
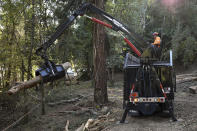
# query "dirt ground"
(79, 111)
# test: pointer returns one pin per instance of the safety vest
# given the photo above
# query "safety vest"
(157, 41)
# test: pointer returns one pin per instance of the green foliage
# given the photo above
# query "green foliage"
(184, 47)
(115, 55)
(115, 61)
(184, 38)
(176, 24)
(190, 50)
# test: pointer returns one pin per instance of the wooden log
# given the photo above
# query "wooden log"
(33, 82)
(64, 101)
(187, 79)
(78, 112)
(28, 84)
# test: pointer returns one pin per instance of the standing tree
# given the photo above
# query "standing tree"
(100, 74)
(29, 72)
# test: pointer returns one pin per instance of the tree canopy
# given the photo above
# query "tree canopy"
(26, 24)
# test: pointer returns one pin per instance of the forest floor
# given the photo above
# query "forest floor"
(75, 103)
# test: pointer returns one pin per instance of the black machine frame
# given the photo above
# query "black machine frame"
(144, 77)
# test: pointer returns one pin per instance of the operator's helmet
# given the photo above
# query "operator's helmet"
(155, 33)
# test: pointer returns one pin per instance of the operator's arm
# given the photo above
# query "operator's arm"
(157, 41)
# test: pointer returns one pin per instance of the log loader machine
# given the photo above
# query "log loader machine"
(149, 83)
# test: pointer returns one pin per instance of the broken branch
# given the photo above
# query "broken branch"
(67, 124)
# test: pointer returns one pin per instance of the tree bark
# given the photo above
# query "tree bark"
(29, 73)
(22, 70)
(112, 75)
(100, 73)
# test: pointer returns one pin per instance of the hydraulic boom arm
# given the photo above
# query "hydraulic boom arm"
(115, 25)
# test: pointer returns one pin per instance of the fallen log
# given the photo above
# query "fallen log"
(28, 84)
(64, 102)
(189, 79)
(33, 82)
(78, 112)
(68, 101)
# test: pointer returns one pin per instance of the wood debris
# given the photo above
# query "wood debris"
(93, 124)
(193, 89)
(67, 124)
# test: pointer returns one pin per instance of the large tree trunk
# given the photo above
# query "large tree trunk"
(29, 73)
(100, 74)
